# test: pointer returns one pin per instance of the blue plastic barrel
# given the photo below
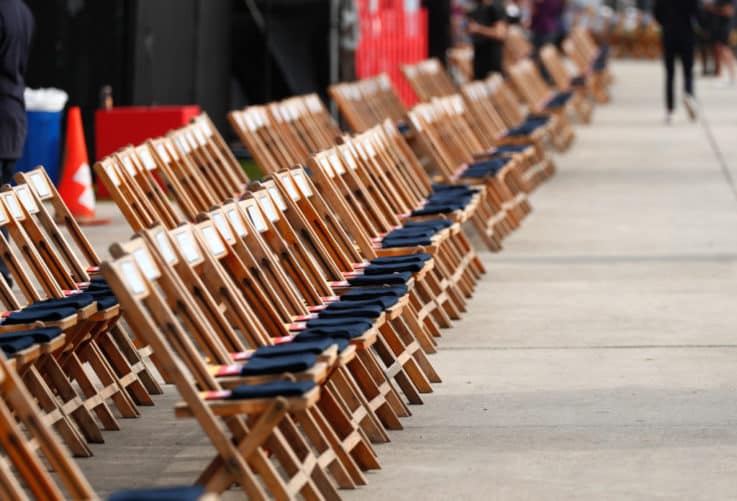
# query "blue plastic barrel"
(43, 143)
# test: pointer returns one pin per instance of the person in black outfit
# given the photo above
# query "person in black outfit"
(16, 30)
(723, 12)
(487, 26)
(677, 17)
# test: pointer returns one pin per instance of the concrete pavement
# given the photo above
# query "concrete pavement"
(598, 359)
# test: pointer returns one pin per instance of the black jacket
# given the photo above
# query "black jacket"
(676, 17)
(16, 30)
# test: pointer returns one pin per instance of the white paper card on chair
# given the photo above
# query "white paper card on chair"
(222, 226)
(161, 150)
(302, 183)
(277, 198)
(256, 219)
(205, 127)
(147, 266)
(13, 206)
(235, 221)
(291, 189)
(110, 171)
(164, 247)
(40, 184)
(214, 243)
(128, 164)
(187, 247)
(26, 198)
(268, 208)
(132, 277)
(146, 158)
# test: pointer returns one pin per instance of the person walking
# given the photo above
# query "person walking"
(16, 30)
(487, 26)
(723, 12)
(677, 18)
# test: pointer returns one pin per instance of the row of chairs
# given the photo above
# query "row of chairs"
(295, 315)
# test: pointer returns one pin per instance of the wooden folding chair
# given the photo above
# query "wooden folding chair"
(590, 61)
(82, 323)
(428, 79)
(220, 342)
(516, 46)
(83, 263)
(368, 102)
(240, 422)
(564, 82)
(541, 99)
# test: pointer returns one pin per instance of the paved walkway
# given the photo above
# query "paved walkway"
(598, 359)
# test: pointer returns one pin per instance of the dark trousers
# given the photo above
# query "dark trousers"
(7, 170)
(683, 49)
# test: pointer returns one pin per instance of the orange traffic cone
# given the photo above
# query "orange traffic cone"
(76, 177)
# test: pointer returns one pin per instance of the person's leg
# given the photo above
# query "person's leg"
(669, 60)
(7, 171)
(687, 60)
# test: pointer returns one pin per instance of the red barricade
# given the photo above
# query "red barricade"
(391, 36)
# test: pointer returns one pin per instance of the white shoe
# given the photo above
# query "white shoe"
(669, 118)
(691, 106)
(725, 83)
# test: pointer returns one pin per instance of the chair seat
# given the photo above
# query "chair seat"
(579, 81)
(316, 346)
(13, 342)
(385, 303)
(381, 270)
(406, 258)
(486, 167)
(271, 389)
(75, 301)
(292, 362)
(339, 322)
(192, 493)
(378, 278)
(335, 332)
(559, 100)
(513, 148)
(359, 311)
(395, 291)
(48, 314)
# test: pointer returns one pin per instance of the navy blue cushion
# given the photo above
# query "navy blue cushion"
(513, 148)
(192, 493)
(105, 300)
(339, 322)
(347, 331)
(559, 100)
(295, 362)
(401, 277)
(373, 292)
(404, 258)
(75, 301)
(403, 128)
(271, 389)
(365, 311)
(578, 81)
(436, 224)
(383, 269)
(10, 347)
(346, 304)
(39, 335)
(406, 242)
(38, 314)
(316, 347)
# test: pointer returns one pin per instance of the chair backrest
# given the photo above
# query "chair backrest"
(556, 67)
(429, 79)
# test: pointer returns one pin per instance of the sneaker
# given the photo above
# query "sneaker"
(668, 118)
(691, 106)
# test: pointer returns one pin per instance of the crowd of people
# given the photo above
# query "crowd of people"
(689, 28)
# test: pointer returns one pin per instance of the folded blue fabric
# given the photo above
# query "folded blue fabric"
(437, 224)
(49, 314)
(559, 100)
(336, 332)
(316, 346)
(293, 362)
(74, 301)
(192, 493)
(403, 128)
(339, 322)
(368, 312)
(39, 335)
(513, 148)
(404, 258)
(578, 81)
(389, 243)
(380, 270)
(271, 389)
(384, 302)
(13, 346)
(372, 292)
(398, 278)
